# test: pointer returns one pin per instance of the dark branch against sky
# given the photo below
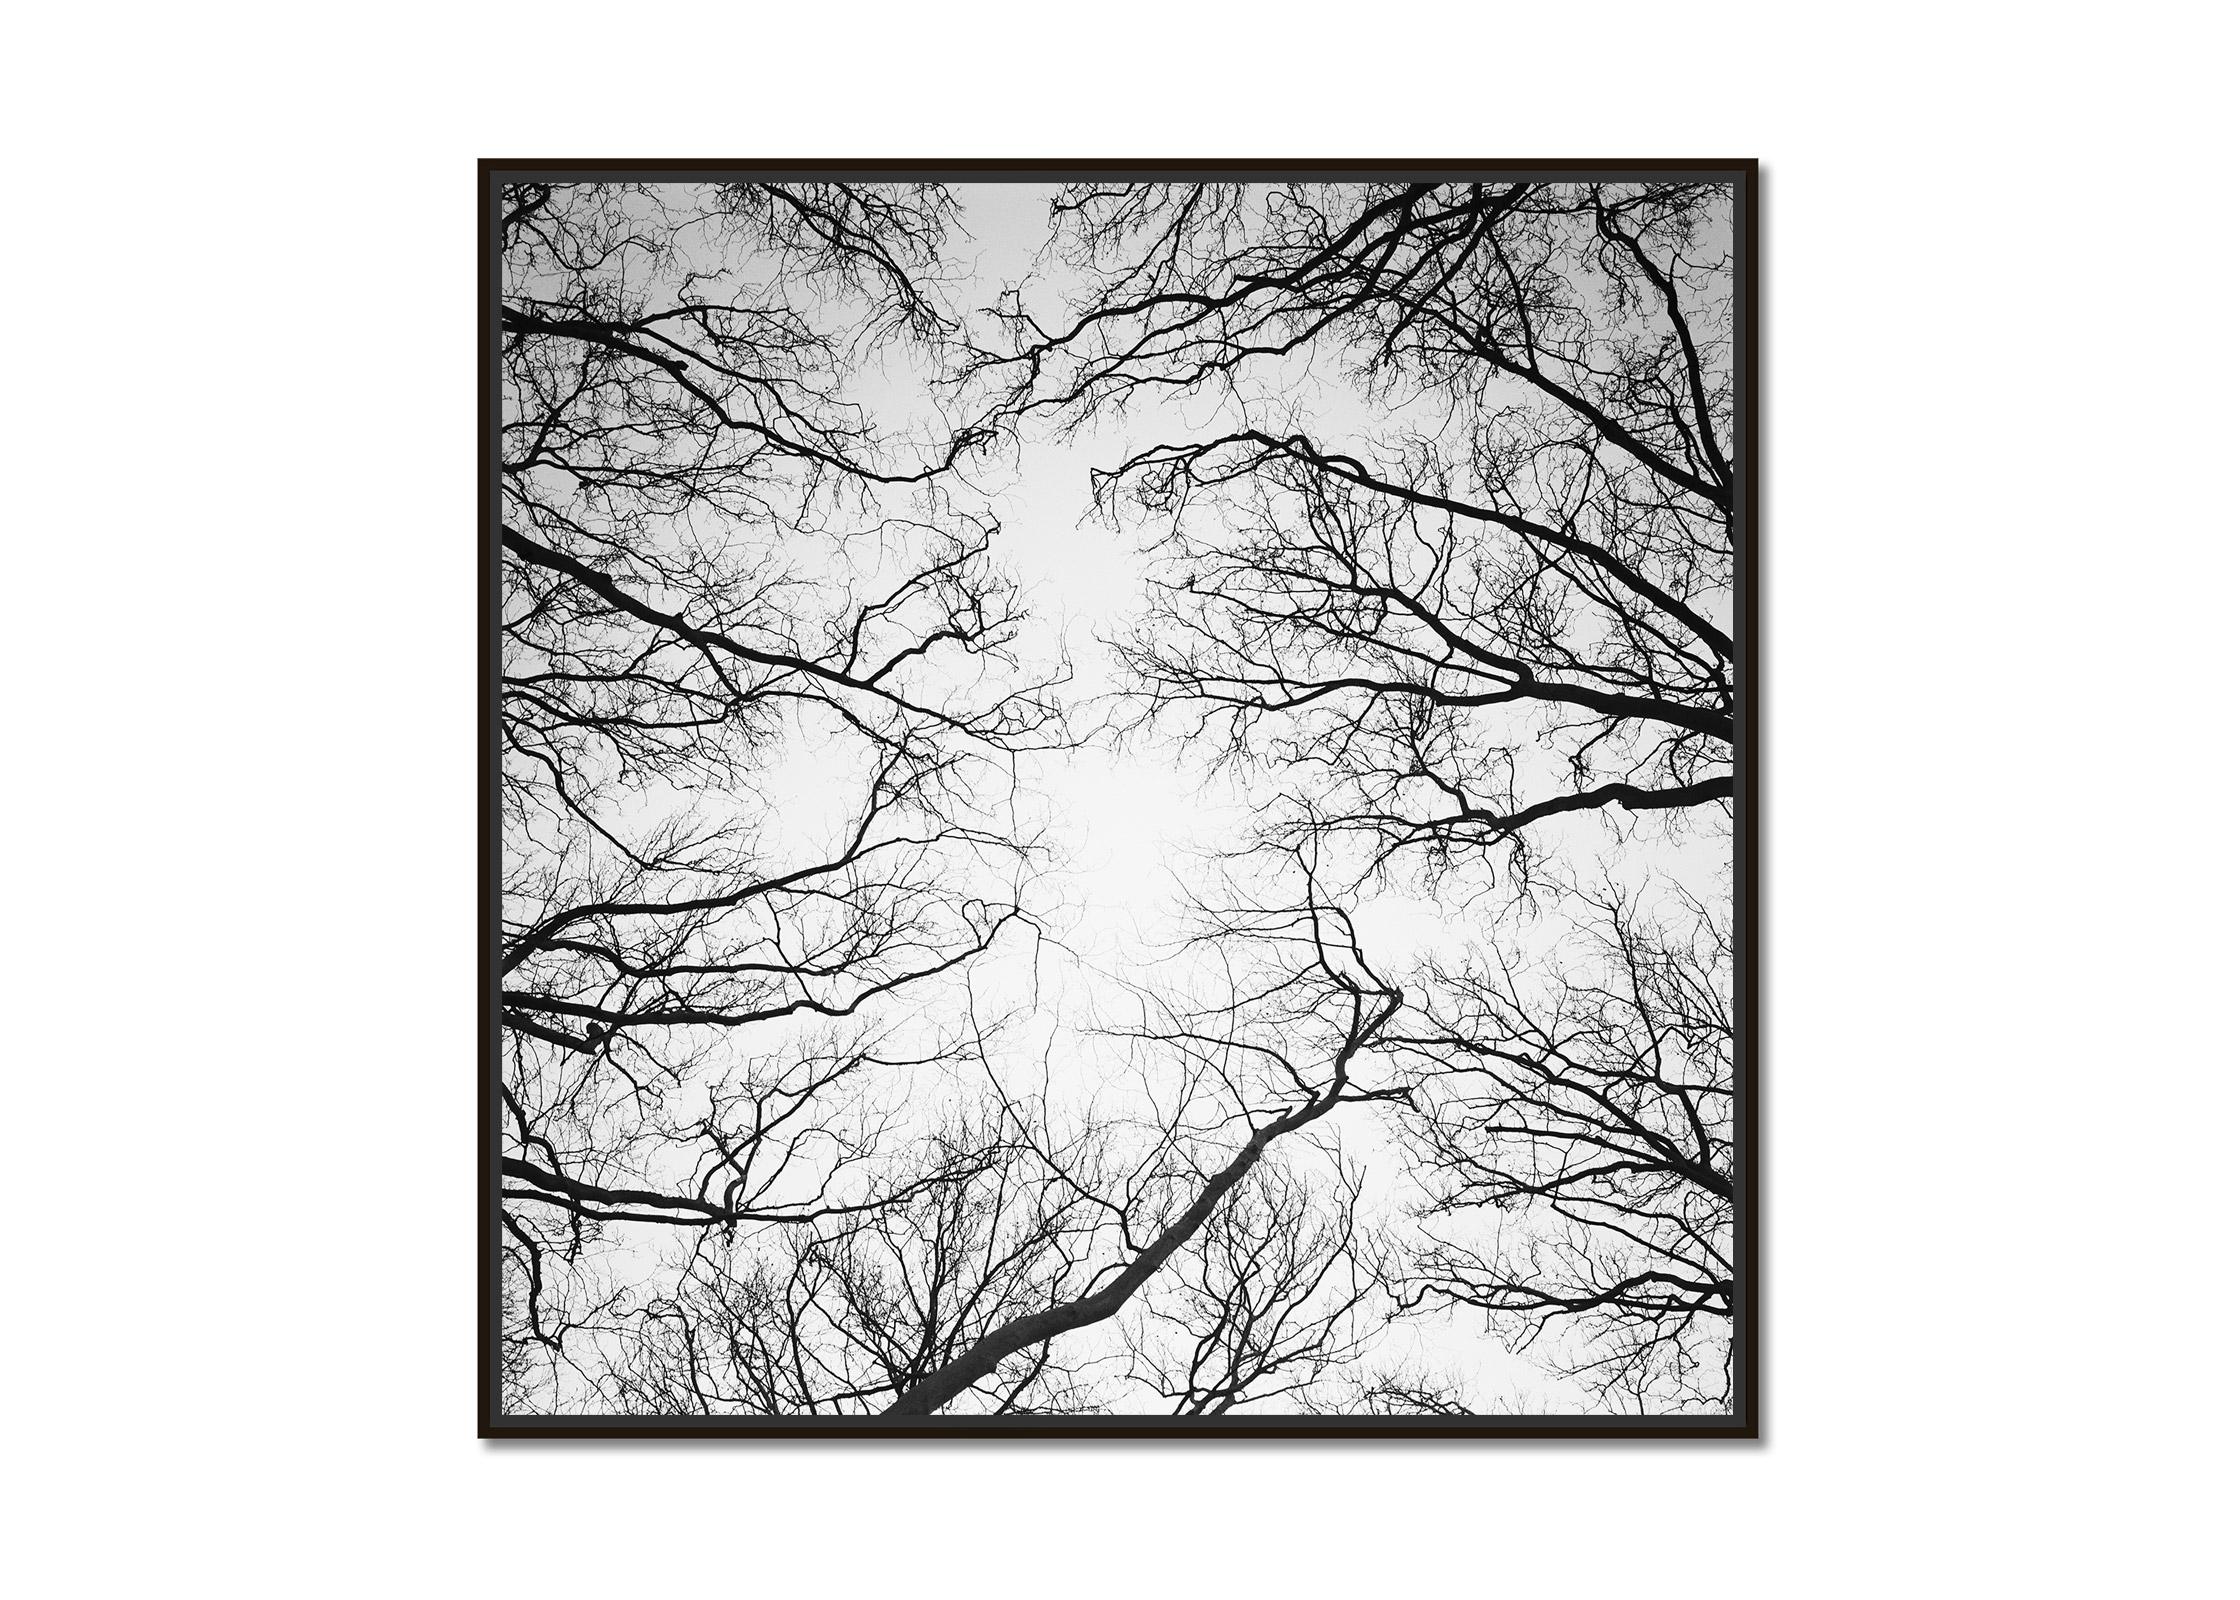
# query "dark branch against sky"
(1117, 798)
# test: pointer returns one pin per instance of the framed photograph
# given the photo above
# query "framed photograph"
(1118, 799)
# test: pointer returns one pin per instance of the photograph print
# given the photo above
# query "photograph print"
(1118, 800)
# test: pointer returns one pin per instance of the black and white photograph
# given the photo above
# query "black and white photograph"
(1119, 798)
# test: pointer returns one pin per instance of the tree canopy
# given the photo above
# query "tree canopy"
(810, 1107)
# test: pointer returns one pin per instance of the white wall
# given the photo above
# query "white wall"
(240, 428)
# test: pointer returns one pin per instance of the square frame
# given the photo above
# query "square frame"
(1743, 1423)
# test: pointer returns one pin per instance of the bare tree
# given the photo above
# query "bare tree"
(1466, 544)
(1574, 1133)
(1013, 1227)
(758, 709)
(1455, 562)
(1283, 1287)
(1273, 1058)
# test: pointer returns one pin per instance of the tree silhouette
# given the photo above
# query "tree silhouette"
(791, 1124)
(1466, 546)
(758, 706)
(1449, 575)
(1575, 1138)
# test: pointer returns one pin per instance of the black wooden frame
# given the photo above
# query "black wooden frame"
(1743, 1423)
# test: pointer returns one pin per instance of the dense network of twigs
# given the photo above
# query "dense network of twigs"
(1446, 585)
